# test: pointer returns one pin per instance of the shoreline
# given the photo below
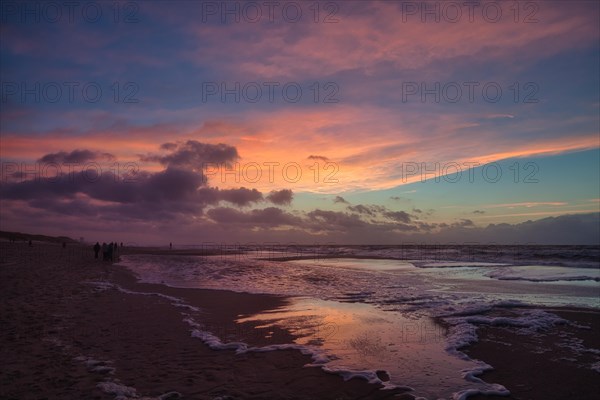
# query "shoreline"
(553, 365)
(63, 339)
(104, 339)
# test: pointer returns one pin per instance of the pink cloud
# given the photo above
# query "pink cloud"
(363, 40)
(344, 134)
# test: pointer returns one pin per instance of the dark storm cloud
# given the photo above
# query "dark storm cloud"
(76, 207)
(144, 195)
(75, 157)
(340, 199)
(179, 190)
(361, 209)
(167, 185)
(398, 216)
(371, 210)
(333, 220)
(564, 229)
(168, 146)
(464, 223)
(281, 197)
(241, 196)
(193, 154)
(269, 217)
(400, 199)
(170, 185)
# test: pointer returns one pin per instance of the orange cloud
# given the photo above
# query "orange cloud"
(367, 147)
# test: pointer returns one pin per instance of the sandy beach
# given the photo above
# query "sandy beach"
(65, 338)
(337, 200)
(75, 327)
(543, 367)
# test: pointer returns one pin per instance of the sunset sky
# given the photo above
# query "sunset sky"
(316, 122)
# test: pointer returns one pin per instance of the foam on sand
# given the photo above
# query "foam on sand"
(462, 294)
(123, 392)
(537, 273)
(113, 386)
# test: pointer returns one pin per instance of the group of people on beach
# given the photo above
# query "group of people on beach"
(109, 251)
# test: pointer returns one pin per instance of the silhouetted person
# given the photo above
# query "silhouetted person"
(121, 244)
(64, 245)
(115, 248)
(170, 246)
(104, 251)
(96, 249)
(30, 243)
(110, 252)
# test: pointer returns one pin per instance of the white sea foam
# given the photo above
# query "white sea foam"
(538, 273)
(123, 392)
(463, 326)
(114, 386)
(93, 365)
(177, 302)
(456, 264)
(119, 390)
(465, 294)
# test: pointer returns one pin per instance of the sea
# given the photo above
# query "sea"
(394, 315)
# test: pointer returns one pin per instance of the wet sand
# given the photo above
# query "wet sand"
(64, 335)
(61, 338)
(545, 366)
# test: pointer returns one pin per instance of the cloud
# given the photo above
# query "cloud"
(333, 220)
(478, 212)
(398, 216)
(267, 217)
(340, 199)
(75, 157)
(494, 116)
(241, 196)
(281, 197)
(529, 204)
(145, 195)
(170, 184)
(371, 210)
(381, 41)
(193, 154)
(564, 229)
(463, 223)
(320, 158)
(172, 198)
(168, 146)
(378, 211)
(368, 164)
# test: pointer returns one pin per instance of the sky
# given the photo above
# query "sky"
(348, 122)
